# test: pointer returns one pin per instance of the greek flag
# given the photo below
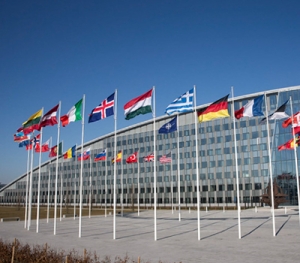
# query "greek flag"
(183, 103)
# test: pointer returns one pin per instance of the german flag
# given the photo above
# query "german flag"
(218, 109)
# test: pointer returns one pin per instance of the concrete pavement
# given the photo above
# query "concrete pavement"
(177, 241)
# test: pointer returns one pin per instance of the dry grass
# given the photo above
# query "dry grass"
(19, 211)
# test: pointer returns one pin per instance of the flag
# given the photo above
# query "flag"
(170, 126)
(294, 121)
(70, 153)
(54, 151)
(183, 103)
(44, 148)
(132, 158)
(74, 114)
(149, 158)
(49, 119)
(290, 144)
(20, 137)
(36, 141)
(24, 143)
(251, 109)
(166, 158)
(33, 123)
(278, 114)
(104, 110)
(218, 109)
(100, 156)
(138, 105)
(119, 157)
(85, 156)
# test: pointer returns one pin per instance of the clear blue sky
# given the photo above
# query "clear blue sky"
(53, 51)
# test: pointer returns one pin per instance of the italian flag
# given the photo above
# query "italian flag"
(138, 105)
(74, 114)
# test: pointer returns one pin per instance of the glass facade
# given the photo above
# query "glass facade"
(218, 162)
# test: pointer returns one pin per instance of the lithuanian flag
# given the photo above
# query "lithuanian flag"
(33, 123)
(218, 109)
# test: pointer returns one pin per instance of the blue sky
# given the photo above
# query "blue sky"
(53, 51)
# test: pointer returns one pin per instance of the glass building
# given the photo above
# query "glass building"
(216, 162)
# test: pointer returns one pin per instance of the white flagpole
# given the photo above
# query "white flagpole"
(138, 187)
(27, 181)
(81, 166)
(30, 188)
(270, 168)
(61, 188)
(49, 174)
(39, 181)
(105, 184)
(56, 172)
(154, 164)
(178, 168)
(115, 167)
(172, 187)
(90, 197)
(197, 164)
(236, 166)
(75, 196)
(121, 182)
(296, 161)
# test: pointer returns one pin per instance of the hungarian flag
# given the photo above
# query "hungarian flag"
(54, 151)
(49, 119)
(290, 144)
(74, 114)
(118, 159)
(218, 109)
(138, 105)
(33, 123)
(132, 158)
(70, 153)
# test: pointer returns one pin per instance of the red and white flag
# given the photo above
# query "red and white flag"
(132, 158)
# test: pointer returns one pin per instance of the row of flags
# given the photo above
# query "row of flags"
(142, 105)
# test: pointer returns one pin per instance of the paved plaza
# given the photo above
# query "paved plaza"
(177, 241)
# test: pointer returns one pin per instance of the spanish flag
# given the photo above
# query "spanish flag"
(218, 109)
(119, 157)
(290, 144)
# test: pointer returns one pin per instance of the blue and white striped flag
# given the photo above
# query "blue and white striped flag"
(183, 103)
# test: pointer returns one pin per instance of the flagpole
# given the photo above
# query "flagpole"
(30, 187)
(154, 164)
(121, 183)
(81, 165)
(296, 160)
(270, 167)
(75, 195)
(90, 203)
(236, 166)
(115, 167)
(197, 164)
(49, 181)
(27, 180)
(172, 187)
(105, 185)
(56, 169)
(138, 187)
(39, 180)
(178, 168)
(61, 186)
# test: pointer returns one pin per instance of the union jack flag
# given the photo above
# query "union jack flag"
(149, 158)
